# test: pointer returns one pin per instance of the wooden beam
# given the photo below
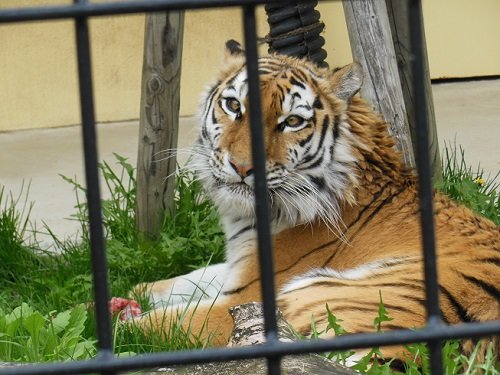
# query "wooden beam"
(371, 43)
(398, 19)
(159, 119)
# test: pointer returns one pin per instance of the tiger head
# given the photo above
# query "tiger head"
(310, 162)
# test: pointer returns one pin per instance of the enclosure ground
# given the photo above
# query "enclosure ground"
(468, 112)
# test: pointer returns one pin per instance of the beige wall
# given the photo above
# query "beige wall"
(463, 37)
(38, 70)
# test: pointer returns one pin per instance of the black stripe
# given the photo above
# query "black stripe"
(338, 283)
(209, 99)
(282, 92)
(394, 327)
(318, 181)
(376, 196)
(302, 76)
(490, 289)
(317, 103)
(458, 308)
(319, 248)
(214, 119)
(336, 126)
(204, 132)
(269, 64)
(316, 163)
(492, 260)
(233, 78)
(293, 81)
(241, 259)
(306, 140)
(444, 317)
(382, 205)
(235, 291)
(324, 128)
(240, 232)
(419, 300)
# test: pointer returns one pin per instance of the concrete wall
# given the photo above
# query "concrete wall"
(38, 85)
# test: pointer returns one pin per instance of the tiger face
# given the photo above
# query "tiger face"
(310, 162)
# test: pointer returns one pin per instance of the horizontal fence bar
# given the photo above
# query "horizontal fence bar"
(274, 349)
(115, 8)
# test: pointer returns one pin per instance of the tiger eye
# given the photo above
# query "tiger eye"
(233, 105)
(294, 120)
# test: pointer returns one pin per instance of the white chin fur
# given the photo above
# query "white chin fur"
(233, 204)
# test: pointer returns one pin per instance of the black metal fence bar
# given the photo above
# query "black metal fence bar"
(425, 185)
(273, 350)
(98, 254)
(261, 193)
(365, 340)
(115, 8)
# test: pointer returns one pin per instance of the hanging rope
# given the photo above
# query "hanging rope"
(295, 29)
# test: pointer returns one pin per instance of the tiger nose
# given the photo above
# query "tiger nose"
(243, 169)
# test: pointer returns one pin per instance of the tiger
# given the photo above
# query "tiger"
(344, 214)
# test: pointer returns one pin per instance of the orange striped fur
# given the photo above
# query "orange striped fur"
(346, 228)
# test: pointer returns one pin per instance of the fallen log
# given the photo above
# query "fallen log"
(249, 330)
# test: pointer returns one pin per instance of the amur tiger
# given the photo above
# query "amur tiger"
(344, 212)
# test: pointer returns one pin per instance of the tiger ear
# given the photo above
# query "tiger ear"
(233, 49)
(347, 81)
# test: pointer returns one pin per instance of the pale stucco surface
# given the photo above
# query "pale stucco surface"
(38, 85)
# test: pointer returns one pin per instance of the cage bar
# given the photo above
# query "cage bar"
(425, 184)
(261, 193)
(115, 8)
(98, 255)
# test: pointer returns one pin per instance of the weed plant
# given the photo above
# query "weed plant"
(38, 287)
(470, 187)
(417, 361)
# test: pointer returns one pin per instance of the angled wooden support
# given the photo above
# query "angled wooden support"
(159, 120)
(371, 44)
(380, 41)
(397, 11)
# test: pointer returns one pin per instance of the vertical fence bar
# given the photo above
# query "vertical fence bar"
(261, 193)
(99, 269)
(425, 184)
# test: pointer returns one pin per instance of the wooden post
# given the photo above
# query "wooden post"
(398, 19)
(371, 44)
(159, 119)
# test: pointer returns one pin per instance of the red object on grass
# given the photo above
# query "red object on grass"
(125, 308)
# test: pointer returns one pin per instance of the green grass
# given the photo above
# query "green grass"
(51, 282)
(469, 186)
(46, 286)
(417, 360)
